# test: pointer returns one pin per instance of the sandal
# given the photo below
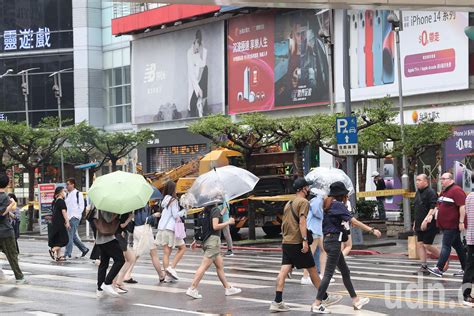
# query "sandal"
(51, 253)
(62, 258)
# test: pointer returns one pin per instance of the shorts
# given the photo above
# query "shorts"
(292, 255)
(138, 233)
(427, 237)
(166, 237)
(122, 239)
(212, 247)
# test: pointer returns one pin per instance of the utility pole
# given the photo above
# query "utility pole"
(25, 88)
(397, 27)
(58, 93)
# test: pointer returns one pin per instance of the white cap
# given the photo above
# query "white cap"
(375, 174)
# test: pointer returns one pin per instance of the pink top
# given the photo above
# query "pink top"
(470, 219)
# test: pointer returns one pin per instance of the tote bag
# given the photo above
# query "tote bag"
(179, 229)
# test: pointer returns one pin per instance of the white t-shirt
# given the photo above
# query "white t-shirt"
(74, 207)
(169, 214)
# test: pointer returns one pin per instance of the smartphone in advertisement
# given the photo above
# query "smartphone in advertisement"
(388, 50)
(360, 48)
(377, 40)
(389, 171)
(369, 57)
(353, 42)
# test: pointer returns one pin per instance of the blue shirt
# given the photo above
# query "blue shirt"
(334, 218)
(315, 215)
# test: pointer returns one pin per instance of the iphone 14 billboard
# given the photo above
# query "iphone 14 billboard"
(371, 48)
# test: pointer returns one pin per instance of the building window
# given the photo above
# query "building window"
(118, 95)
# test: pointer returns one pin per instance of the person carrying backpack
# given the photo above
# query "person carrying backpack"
(75, 207)
(208, 232)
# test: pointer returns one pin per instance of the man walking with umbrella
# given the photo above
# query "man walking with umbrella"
(296, 251)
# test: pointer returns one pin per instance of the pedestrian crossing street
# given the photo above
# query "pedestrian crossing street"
(380, 278)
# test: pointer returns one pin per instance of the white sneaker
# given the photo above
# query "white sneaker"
(99, 294)
(120, 290)
(306, 281)
(278, 307)
(193, 293)
(320, 309)
(362, 301)
(332, 299)
(172, 273)
(232, 291)
(109, 290)
(21, 281)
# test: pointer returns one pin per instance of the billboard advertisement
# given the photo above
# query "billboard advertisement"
(178, 75)
(459, 146)
(433, 49)
(276, 61)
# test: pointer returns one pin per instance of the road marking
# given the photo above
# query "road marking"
(51, 290)
(172, 309)
(335, 309)
(12, 300)
(40, 313)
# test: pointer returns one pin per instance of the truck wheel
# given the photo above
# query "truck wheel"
(272, 231)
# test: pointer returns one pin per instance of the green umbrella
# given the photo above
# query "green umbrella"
(120, 192)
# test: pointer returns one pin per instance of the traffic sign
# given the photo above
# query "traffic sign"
(346, 135)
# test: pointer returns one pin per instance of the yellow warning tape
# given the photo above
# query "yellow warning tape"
(403, 192)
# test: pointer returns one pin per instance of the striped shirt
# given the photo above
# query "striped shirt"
(470, 219)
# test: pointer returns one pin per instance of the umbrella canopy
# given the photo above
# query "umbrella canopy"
(219, 184)
(323, 178)
(156, 195)
(120, 192)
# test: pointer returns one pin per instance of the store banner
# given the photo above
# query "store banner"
(276, 61)
(459, 146)
(178, 75)
(433, 48)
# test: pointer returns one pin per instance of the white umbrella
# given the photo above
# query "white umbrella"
(323, 178)
(219, 184)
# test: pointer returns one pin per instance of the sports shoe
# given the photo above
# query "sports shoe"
(229, 253)
(120, 290)
(99, 293)
(319, 309)
(232, 291)
(21, 281)
(172, 273)
(460, 273)
(278, 307)
(306, 281)
(468, 301)
(193, 293)
(360, 303)
(109, 290)
(131, 281)
(84, 253)
(436, 271)
(332, 299)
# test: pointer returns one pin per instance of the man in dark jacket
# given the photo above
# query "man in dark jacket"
(425, 201)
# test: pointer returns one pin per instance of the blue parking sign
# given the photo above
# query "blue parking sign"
(346, 135)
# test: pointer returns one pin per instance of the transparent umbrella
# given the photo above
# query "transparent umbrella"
(323, 177)
(219, 184)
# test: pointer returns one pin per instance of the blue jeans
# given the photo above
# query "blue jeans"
(451, 238)
(74, 238)
(316, 255)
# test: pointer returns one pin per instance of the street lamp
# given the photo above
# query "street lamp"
(397, 27)
(6, 73)
(58, 93)
(25, 87)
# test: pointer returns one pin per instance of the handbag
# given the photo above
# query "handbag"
(179, 229)
(105, 228)
(309, 233)
(146, 241)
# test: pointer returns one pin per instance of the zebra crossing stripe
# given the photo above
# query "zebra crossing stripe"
(12, 300)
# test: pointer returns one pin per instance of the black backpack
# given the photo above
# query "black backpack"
(203, 226)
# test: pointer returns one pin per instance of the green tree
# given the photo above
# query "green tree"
(109, 146)
(32, 148)
(252, 133)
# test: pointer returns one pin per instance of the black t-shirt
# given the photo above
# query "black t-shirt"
(425, 199)
(216, 213)
(380, 184)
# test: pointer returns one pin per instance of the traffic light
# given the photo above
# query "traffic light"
(469, 31)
